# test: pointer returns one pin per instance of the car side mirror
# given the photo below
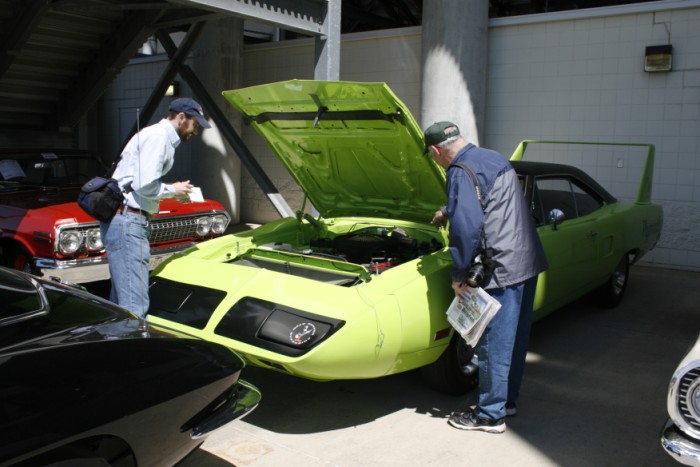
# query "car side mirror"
(556, 217)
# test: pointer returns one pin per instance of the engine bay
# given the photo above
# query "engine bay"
(344, 259)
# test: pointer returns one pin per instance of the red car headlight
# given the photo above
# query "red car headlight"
(219, 224)
(93, 240)
(69, 241)
(203, 226)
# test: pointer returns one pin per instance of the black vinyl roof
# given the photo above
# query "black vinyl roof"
(548, 169)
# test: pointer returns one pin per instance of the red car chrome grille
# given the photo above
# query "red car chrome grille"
(166, 230)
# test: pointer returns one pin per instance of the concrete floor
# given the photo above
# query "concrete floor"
(594, 395)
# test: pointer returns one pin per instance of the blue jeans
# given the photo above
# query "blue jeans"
(126, 240)
(503, 348)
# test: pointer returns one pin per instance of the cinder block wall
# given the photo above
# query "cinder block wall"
(582, 78)
(573, 76)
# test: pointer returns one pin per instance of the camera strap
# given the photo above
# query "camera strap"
(475, 181)
(477, 188)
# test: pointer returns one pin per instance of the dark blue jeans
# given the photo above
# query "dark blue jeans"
(503, 348)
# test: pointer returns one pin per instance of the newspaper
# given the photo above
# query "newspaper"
(471, 312)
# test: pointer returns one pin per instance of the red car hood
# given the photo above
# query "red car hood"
(61, 204)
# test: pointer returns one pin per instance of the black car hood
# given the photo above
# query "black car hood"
(71, 362)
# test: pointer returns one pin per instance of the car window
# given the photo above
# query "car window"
(51, 173)
(535, 202)
(10, 170)
(19, 296)
(537, 208)
(586, 203)
(564, 194)
(49, 169)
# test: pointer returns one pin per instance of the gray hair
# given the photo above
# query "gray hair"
(448, 142)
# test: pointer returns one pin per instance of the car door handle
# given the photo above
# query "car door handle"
(591, 234)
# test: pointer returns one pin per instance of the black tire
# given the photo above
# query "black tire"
(610, 294)
(19, 258)
(456, 371)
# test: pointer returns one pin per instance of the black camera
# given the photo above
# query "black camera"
(481, 268)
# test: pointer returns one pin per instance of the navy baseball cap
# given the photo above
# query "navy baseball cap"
(191, 108)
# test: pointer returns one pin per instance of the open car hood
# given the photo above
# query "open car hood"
(354, 148)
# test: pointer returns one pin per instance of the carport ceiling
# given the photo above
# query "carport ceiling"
(58, 56)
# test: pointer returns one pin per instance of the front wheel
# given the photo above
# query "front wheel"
(19, 258)
(610, 294)
(457, 369)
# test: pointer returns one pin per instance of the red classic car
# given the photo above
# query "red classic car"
(45, 232)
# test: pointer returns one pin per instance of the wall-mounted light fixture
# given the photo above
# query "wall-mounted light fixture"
(173, 89)
(658, 58)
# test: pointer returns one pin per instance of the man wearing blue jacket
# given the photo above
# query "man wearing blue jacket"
(498, 225)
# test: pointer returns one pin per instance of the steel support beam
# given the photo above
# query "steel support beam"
(176, 61)
(229, 133)
(108, 62)
(14, 37)
(327, 45)
(317, 18)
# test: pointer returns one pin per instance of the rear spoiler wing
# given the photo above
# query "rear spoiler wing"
(644, 193)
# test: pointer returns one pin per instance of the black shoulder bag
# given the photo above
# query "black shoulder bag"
(101, 198)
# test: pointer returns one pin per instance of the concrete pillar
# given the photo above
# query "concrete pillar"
(216, 60)
(455, 46)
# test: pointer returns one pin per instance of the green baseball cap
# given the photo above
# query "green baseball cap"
(439, 132)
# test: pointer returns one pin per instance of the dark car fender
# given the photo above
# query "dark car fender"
(147, 385)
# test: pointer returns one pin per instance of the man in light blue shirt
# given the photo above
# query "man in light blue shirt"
(147, 157)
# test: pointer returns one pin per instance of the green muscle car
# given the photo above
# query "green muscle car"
(361, 289)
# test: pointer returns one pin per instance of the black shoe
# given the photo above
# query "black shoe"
(511, 409)
(471, 422)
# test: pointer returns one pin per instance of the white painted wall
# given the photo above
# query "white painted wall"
(582, 78)
(574, 76)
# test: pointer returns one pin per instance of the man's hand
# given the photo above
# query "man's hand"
(439, 219)
(182, 189)
(459, 287)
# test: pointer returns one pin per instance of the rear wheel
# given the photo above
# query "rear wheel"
(456, 371)
(610, 294)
